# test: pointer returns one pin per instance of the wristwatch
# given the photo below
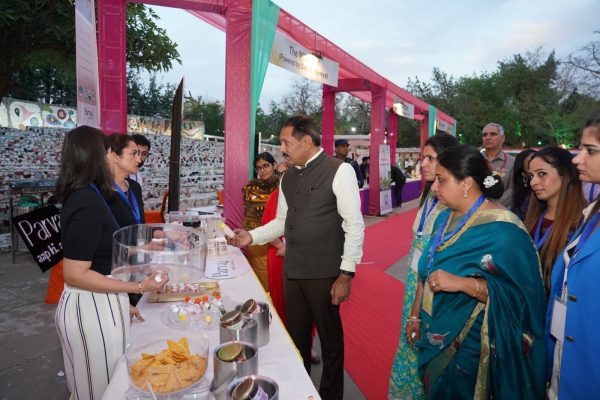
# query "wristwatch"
(349, 273)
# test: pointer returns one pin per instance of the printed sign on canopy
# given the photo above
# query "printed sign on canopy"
(86, 55)
(404, 109)
(445, 126)
(289, 55)
(40, 231)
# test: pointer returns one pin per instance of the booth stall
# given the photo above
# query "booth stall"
(278, 359)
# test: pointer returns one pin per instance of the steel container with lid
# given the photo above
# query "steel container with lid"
(232, 320)
(233, 359)
(253, 387)
(231, 352)
(250, 306)
(246, 331)
(248, 389)
(258, 311)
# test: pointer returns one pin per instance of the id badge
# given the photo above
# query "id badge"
(427, 303)
(414, 263)
(559, 316)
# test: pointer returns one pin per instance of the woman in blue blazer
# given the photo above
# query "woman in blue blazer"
(573, 318)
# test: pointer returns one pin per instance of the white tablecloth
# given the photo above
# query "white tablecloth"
(278, 359)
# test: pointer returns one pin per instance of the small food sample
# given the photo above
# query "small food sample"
(177, 291)
(200, 312)
(169, 371)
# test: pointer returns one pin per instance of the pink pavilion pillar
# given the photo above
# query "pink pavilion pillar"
(392, 130)
(112, 66)
(328, 119)
(378, 96)
(424, 134)
(237, 103)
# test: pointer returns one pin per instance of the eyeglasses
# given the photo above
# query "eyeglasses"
(263, 167)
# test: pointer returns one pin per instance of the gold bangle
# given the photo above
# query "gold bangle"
(476, 287)
(140, 287)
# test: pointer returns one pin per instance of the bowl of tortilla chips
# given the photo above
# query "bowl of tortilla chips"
(167, 361)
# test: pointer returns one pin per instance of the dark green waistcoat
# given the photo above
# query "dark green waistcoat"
(313, 227)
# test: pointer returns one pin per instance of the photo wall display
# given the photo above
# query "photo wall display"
(34, 153)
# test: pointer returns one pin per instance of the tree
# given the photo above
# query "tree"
(305, 99)
(269, 124)
(525, 94)
(45, 84)
(358, 113)
(211, 112)
(586, 61)
(40, 34)
(154, 100)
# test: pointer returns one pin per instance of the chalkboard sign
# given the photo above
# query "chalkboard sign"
(40, 231)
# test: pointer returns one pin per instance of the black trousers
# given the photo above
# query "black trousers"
(308, 300)
(398, 188)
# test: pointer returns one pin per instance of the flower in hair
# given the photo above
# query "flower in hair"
(489, 181)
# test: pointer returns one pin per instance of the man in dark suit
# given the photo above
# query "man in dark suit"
(318, 212)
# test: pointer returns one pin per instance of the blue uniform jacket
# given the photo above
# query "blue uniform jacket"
(580, 364)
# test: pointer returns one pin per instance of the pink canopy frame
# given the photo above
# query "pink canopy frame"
(234, 17)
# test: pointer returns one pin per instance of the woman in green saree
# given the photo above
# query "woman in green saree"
(479, 316)
(404, 378)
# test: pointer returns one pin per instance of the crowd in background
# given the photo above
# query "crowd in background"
(501, 291)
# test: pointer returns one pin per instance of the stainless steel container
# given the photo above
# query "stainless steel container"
(262, 316)
(246, 332)
(268, 385)
(230, 363)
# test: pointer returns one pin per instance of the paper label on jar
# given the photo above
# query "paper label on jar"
(260, 394)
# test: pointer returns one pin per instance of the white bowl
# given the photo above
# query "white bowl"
(155, 342)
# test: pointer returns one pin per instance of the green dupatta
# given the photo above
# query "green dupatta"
(497, 248)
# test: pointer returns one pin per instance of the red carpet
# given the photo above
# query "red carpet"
(372, 317)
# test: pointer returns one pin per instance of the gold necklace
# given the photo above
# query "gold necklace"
(462, 230)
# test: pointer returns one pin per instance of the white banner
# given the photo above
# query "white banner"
(385, 180)
(293, 57)
(88, 96)
(445, 126)
(404, 109)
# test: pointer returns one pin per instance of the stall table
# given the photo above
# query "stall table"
(410, 191)
(278, 359)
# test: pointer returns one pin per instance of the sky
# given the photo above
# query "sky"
(398, 39)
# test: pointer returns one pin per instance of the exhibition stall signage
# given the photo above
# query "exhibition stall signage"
(40, 231)
(86, 55)
(404, 109)
(289, 55)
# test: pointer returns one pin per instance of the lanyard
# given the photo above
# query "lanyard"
(501, 169)
(587, 231)
(438, 238)
(132, 203)
(536, 236)
(425, 215)
(585, 235)
(93, 186)
(591, 195)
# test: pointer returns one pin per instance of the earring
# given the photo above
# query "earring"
(465, 194)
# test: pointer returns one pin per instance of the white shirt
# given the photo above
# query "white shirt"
(345, 189)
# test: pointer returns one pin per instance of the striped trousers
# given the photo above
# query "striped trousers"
(93, 330)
